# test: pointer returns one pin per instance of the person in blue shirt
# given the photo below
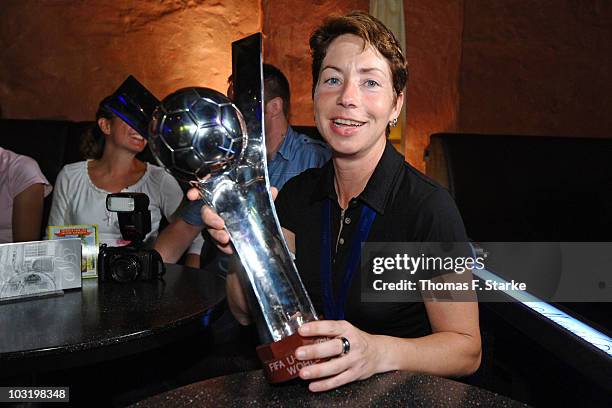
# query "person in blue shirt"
(289, 153)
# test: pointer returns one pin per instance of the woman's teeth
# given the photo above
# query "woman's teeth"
(347, 122)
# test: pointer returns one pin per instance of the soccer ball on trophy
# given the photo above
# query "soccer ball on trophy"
(196, 132)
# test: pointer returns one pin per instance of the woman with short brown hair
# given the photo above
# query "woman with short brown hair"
(366, 193)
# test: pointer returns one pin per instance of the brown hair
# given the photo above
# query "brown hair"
(372, 32)
(92, 144)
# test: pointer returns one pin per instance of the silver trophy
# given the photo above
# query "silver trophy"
(200, 136)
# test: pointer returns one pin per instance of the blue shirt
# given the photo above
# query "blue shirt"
(296, 153)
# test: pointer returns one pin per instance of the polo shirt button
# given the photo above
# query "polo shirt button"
(341, 241)
(347, 220)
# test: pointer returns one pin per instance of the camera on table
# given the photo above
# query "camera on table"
(133, 262)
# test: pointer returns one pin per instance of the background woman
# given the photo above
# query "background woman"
(82, 187)
(359, 76)
(23, 188)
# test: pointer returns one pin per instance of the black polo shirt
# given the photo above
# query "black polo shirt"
(409, 208)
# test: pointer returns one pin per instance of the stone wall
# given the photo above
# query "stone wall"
(60, 57)
(508, 66)
(537, 67)
(433, 50)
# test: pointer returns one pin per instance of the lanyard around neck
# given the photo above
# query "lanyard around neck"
(334, 305)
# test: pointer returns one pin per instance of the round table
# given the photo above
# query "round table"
(250, 389)
(106, 320)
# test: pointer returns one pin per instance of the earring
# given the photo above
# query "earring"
(393, 123)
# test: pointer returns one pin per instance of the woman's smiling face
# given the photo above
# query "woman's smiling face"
(354, 98)
(122, 135)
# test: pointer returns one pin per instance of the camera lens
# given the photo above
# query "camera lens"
(124, 269)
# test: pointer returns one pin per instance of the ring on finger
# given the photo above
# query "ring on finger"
(346, 345)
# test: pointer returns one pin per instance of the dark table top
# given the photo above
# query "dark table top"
(105, 320)
(250, 389)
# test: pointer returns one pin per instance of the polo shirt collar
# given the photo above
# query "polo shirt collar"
(380, 186)
(325, 188)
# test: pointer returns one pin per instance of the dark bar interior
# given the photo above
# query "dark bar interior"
(507, 107)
